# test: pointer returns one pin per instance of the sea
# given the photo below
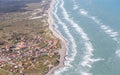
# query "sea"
(92, 31)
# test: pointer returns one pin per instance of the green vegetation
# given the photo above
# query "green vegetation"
(27, 46)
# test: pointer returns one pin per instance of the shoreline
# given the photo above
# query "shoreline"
(63, 42)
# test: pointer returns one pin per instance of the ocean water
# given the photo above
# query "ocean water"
(92, 31)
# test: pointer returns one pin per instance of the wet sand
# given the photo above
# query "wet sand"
(63, 49)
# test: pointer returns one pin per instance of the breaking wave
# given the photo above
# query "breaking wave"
(108, 30)
(75, 6)
(73, 45)
(87, 58)
(117, 53)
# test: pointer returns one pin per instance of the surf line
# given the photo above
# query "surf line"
(73, 45)
(56, 4)
(87, 58)
(66, 29)
(108, 30)
(75, 5)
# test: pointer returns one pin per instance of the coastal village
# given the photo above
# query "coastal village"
(27, 46)
(23, 53)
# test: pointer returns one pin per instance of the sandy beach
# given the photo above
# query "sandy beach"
(63, 49)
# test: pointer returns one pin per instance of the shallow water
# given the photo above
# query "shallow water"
(91, 28)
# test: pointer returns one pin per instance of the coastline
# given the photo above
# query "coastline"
(63, 43)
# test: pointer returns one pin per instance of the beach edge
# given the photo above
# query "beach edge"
(63, 42)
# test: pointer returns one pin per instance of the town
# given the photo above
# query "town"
(27, 46)
(20, 53)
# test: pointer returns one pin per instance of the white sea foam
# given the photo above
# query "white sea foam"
(73, 45)
(108, 30)
(84, 73)
(90, 60)
(56, 4)
(88, 56)
(87, 59)
(83, 12)
(88, 46)
(70, 37)
(104, 27)
(117, 53)
(75, 6)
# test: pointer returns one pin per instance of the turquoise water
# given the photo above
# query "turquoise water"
(91, 28)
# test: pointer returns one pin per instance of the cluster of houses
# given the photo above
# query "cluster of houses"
(25, 53)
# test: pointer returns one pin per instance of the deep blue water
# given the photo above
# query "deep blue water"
(92, 29)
